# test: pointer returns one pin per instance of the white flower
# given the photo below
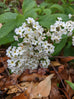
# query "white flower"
(11, 63)
(52, 28)
(59, 18)
(34, 42)
(73, 40)
(31, 49)
(16, 38)
(30, 20)
(19, 31)
(69, 15)
(36, 25)
(24, 25)
(51, 48)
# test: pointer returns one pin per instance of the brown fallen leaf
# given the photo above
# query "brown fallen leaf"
(32, 77)
(21, 96)
(57, 68)
(23, 86)
(43, 71)
(11, 80)
(55, 63)
(1, 77)
(61, 68)
(2, 82)
(54, 93)
(66, 59)
(3, 59)
(2, 69)
(42, 89)
(9, 97)
(37, 90)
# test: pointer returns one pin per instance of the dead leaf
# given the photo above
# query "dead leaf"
(14, 89)
(42, 89)
(1, 77)
(37, 90)
(2, 81)
(43, 71)
(21, 96)
(9, 97)
(55, 63)
(4, 59)
(66, 59)
(2, 69)
(54, 93)
(61, 68)
(11, 80)
(32, 77)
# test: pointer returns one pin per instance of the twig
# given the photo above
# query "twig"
(59, 78)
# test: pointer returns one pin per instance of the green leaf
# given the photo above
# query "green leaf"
(7, 28)
(28, 5)
(44, 4)
(68, 51)
(7, 16)
(57, 6)
(7, 39)
(30, 13)
(59, 46)
(70, 84)
(19, 20)
(2, 5)
(71, 0)
(47, 11)
(48, 20)
(71, 9)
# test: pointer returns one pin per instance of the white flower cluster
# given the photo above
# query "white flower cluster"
(32, 51)
(60, 28)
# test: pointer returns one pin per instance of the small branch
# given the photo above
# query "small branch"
(58, 76)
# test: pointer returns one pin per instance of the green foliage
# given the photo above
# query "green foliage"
(30, 13)
(69, 50)
(57, 6)
(6, 32)
(7, 28)
(7, 16)
(2, 7)
(47, 13)
(28, 5)
(65, 7)
(7, 39)
(60, 46)
(7, 8)
(70, 84)
(28, 8)
(47, 20)
(19, 20)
